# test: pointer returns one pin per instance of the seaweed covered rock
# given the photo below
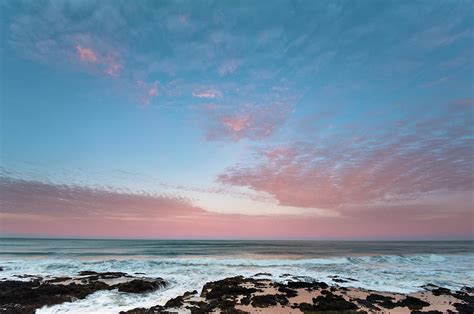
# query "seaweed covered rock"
(314, 285)
(158, 309)
(175, 302)
(26, 297)
(332, 302)
(228, 288)
(269, 300)
(412, 303)
(140, 285)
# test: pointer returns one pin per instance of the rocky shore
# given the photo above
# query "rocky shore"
(234, 295)
(25, 297)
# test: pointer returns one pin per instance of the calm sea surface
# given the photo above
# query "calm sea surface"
(187, 265)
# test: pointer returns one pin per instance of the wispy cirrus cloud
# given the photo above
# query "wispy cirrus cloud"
(27, 197)
(107, 63)
(114, 69)
(228, 67)
(409, 160)
(147, 91)
(53, 36)
(207, 93)
(86, 54)
(249, 121)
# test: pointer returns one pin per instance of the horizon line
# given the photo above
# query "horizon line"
(17, 237)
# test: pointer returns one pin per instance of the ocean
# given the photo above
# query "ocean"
(189, 264)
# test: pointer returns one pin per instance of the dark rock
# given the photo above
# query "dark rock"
(59, 279)
(383, 301)
(196, 310)
(306, 307)
(140, 285)
(290, 293)
(332, 302)
(378, 298)
(315, 285)
(464, 308)
(441, 291)
(88, 273)
(269, 300)
(262, 274)
(282, 299)
(366, 304)
(387, 302)
(234, 291)
(223, 304)
(245, 300)
(264, 300)
(339, 280)
(412, 303)
(310, 308)
(189, 293)
(175, 302)
(467, 298)
(426, 312)
(26, 276)
(232, 311)
(200, 307)
(26, 297)
(93, 275)
(153, 310)
(1, 268)
(228, 288)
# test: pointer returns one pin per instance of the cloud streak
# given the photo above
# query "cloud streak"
(86, 54)
(432, 155)
(207, 93)
(254, 122)
(47, 209)
(24, 197)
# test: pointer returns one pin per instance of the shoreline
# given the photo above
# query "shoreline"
(239, 294)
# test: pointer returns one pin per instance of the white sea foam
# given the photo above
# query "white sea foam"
(396, 273)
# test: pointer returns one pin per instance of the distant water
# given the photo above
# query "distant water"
(187, 265)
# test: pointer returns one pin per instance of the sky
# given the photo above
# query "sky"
(237, 119)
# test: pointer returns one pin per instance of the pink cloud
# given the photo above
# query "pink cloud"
(280, 153)
(113, 69)
(207, 93)
(27, 197)
(86, 54)
(105, 59)
(236, 123)
(38, 208)
(153, 91)
(146, 91)
(250, 121)
(432, 156)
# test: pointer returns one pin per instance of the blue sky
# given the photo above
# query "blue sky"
(244, 108)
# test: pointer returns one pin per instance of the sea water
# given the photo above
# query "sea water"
(189, 264)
